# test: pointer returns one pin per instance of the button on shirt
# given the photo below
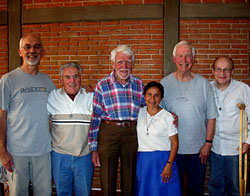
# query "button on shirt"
(114, 101)
(226, 138)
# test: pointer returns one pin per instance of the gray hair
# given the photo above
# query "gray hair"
(29, 34)
(181, 43)
(72, 64)
(123, 49)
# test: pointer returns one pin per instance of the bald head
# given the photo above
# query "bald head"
(223, 69)
(225, 59)
(33, 35)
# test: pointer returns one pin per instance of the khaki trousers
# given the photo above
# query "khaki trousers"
(114, 142)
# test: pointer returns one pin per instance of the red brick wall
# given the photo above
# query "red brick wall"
(3, 5)
(3, 43)
(29, 4)
(90, 43)
(3, 50)
(214, 1)
(213, 38)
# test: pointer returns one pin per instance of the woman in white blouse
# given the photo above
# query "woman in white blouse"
(156, 170)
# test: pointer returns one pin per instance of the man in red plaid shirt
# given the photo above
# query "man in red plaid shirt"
(117, 100)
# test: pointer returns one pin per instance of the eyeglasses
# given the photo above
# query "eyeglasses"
(35, 47)
(219, 70)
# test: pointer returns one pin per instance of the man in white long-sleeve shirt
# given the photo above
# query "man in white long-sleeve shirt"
(224, 163)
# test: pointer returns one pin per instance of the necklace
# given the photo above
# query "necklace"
(182, 98)
(151, 118)
(220, 104)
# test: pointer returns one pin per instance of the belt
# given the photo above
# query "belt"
(125, 123)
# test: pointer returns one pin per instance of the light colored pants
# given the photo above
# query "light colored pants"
(36, 169)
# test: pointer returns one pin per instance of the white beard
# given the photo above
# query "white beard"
(34, 61)
(124, 77)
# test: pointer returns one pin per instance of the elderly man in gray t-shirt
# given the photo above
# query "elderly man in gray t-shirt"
(190, 97)
(25, 142)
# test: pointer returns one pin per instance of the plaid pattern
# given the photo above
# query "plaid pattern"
(114, 101)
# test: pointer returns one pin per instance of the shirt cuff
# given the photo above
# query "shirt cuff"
(93, 146)
(248, 140)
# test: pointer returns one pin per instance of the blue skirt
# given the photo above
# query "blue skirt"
(148, 181)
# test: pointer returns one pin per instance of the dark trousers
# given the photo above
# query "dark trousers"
(114, 142)
(1, 189)
(191, 166)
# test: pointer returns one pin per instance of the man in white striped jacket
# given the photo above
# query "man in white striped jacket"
(70, 109)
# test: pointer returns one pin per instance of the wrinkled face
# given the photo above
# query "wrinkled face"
(153, 97)
(223, 71)
(183, 58)
(71, 80)
(123, 66)
(31, 50)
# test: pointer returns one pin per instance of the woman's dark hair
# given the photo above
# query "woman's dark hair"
(154, 84)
